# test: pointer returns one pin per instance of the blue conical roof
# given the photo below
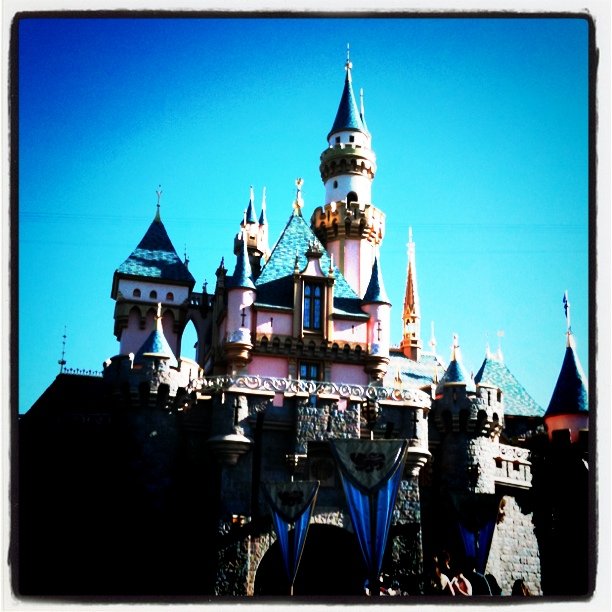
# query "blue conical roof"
(348, 116)
(243, 275)
(375, 293)
(517, 402)
(251, 216)
(155, 257)
(456, 373)
(156, 346)
(571, 391)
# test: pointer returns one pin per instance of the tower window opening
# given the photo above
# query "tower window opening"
(313, 306)
(337, 139)
(335, 184)
(153, 294)
(309, 370)
(351, 196)
(170, 296)
(136, 293)
(351, 139)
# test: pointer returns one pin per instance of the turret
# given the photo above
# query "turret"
(569, 405)
(240, 298)
(411, 343)
(454, 392)
(152, 274)
(255, 230)
(349, 226)
(377, 305)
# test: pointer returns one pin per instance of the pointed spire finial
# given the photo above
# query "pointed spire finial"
(455, 347)
(159, 195)
(263, 220)
(566, 308)
(299, 202)
(62, 360)
(186, 258)
(500, 335)
(433, 342)
(361, 105)
(348, 65)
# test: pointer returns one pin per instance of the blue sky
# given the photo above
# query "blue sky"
(480, 127)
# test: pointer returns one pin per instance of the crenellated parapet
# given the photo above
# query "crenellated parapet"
(478, 414)
(345, 219)
(153, 382)
(347, 158)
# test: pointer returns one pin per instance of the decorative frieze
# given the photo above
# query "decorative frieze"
(297, 387)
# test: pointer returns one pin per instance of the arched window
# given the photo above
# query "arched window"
(153, 295)
(170, 296)
(136, 293)
(335, 184)
(351, 196)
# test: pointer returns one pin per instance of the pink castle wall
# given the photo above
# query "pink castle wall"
(350, 374)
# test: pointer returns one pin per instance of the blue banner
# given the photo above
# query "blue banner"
(371, 471)
(291, 504)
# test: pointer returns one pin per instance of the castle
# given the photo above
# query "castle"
(150, 479)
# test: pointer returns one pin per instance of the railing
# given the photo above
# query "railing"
(81, 372)
(513, 466)
(414, 397)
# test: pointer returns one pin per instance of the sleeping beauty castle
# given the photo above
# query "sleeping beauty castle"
(303, 450)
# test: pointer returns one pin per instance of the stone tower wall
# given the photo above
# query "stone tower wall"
(514, 549)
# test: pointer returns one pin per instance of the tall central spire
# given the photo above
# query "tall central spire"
(348, 117)
(411, 344)
(348, 224)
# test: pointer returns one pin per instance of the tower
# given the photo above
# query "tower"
(255, 231)
(349, 225)
(376, 304)
(411, 343)
(240, 298)
(152, 274)
(569, 405)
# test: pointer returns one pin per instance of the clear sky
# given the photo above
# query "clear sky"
(480, 127)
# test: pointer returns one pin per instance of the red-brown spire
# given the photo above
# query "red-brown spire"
(411, 344)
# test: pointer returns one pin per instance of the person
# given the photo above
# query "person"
(461, 585)
(480, 585)
(445, 567)
(520, 589)
(493, 585)
(437, 582)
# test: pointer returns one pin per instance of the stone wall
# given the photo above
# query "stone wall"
(514, 550)
(323, 421)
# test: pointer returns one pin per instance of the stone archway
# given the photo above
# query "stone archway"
(331, 565)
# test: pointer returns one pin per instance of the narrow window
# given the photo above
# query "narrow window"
(309, 370)
(337, 139)
(351, 138)
(136, 293)
(313, 306)
(170, 296)
(153, 295)
(351, 196)
(335, 184)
